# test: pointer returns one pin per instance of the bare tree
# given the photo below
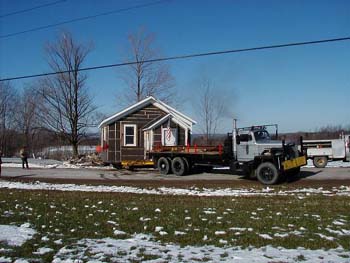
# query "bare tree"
(67, 105)
(8, 101)
(210, 110)
(146, 78)
(27, 118)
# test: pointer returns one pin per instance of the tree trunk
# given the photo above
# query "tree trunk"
(138, 88)
(75, 149)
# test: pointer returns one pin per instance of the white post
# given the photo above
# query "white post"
(234, 141)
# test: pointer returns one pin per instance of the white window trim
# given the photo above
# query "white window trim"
(135, 134)
(176, 135)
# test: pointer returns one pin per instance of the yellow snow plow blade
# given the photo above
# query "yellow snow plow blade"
(294, 163)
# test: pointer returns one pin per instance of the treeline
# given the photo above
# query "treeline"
(22, 122)
(326, 132)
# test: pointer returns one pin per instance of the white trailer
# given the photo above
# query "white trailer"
(322, 151)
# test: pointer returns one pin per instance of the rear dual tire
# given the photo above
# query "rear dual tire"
(163, 165)
(179, 166)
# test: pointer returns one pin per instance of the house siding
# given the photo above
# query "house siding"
(157, 134)
(181, 136)
(117, 151)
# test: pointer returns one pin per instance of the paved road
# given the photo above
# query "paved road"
(149, 174)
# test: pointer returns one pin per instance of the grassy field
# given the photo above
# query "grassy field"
(63, 218)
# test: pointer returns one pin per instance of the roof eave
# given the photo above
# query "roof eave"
(124, 112)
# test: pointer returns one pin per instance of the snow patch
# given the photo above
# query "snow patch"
(220, 233)
(330, 164)
(43, 250)
(179, 233)
(119, 232)
(342, 190)
(16, 236)
(133, 249)
(265, 236)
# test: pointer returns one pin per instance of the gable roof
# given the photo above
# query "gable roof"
(145, 102)
(165, 118)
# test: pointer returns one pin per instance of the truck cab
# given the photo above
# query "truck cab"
(254, 142)
(258, 155)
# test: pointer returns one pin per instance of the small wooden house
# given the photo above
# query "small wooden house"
(129, 134)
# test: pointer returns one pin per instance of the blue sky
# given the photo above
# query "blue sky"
(300, 88)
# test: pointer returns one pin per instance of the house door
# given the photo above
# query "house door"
(169, 136)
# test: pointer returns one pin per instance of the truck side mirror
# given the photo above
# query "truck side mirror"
(238, 140)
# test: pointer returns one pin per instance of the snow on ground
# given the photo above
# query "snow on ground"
(14, 235)
(43, 250)
(193, 191)
(141, 245)
(47, 163)
(330, 164)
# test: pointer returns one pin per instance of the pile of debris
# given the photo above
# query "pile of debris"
(92, 159)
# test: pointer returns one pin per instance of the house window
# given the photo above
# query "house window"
(130, 135)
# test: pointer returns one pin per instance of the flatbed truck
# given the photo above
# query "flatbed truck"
(249, 149)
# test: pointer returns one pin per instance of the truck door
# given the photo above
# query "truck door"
(244, 148)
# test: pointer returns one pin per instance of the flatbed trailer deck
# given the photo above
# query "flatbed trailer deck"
(180, 160)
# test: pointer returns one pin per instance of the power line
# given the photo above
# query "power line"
(84, 18)
(184, 57)
(31, 9)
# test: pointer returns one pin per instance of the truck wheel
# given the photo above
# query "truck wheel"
(188, 165)
(163, 165)
(320, 162)
(267, 173)
(179, 166)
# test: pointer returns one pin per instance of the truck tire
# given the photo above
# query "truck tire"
(188, 165)
(320, 161)
(267, 173)
(179, 166)
(163, 165)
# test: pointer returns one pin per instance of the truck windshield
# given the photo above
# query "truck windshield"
(262, 136)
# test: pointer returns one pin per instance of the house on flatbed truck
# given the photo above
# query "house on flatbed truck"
(128, 136)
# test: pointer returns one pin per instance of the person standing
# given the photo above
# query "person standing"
(24, 156)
